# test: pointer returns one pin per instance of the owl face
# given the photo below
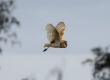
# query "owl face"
(63, 44)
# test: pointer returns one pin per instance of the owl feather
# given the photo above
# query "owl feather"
(55, 35)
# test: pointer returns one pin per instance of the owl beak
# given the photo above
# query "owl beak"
(65, 45)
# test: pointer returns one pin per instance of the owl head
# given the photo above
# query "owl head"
(63, 44)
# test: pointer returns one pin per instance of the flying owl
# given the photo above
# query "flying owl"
(55, 35)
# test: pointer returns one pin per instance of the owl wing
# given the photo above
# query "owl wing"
(52, 33)
(61, 27)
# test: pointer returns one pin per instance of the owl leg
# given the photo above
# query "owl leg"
(47, 45)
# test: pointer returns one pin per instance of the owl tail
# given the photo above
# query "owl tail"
(45, 49)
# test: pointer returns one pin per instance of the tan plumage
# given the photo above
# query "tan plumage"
(61, 29)
(55, 34)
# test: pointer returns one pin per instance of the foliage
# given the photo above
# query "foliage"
(7, 20)
(101, 64)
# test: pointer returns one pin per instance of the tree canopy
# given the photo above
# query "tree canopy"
(7, 20)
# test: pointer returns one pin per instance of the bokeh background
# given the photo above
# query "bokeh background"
(87, 23)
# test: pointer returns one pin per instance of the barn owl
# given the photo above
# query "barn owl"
(55, 35)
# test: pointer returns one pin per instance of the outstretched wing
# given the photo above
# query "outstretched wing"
(52, 34)
(61, 27)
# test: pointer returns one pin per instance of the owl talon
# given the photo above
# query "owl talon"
(44, 50)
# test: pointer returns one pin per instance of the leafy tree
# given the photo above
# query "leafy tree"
(101, 64)
(6, 21)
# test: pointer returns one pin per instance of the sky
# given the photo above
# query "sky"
(87, 25)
